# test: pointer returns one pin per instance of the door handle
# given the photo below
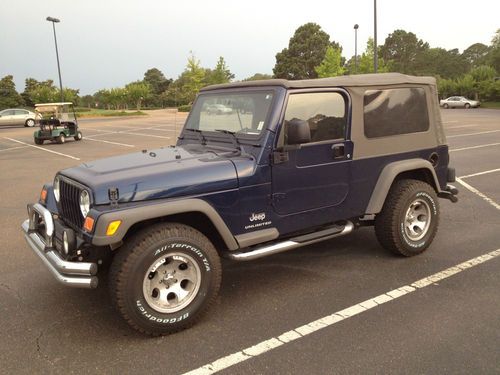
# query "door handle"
(338, 151)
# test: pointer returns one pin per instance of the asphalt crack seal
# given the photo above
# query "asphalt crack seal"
(307, 329)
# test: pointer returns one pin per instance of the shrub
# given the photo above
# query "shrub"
(184, 108)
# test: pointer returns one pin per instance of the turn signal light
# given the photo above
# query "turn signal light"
(113, 227)
(88, 225)
(43, 195)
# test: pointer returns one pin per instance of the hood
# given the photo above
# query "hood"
(155, 174)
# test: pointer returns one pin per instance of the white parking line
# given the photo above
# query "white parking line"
(307, 329)
(472, 147)
(146, 135)
(43, 149)
(449, 122)
(480, 173)
(13, 148)
(88, 138)
(461, 126)
(472, 189)
(466, 135)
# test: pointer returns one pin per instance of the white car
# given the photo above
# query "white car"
(458, 102)
(17, 117)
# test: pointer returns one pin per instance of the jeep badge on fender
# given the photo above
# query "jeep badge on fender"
(259, 168)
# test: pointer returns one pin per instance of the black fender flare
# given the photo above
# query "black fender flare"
(131, 216)
(389, 174)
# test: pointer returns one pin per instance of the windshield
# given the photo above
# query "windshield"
(236, 112)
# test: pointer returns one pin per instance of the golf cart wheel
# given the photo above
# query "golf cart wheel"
(61, 138)
(29, 123)
(78, 136)
(38, 141)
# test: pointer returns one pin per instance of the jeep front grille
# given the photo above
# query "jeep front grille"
(69, 204)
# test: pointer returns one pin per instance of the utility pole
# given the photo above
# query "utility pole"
(54, 21)
(375, 48)
(356, 26)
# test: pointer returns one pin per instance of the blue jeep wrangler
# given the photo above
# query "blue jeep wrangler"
(282, 164)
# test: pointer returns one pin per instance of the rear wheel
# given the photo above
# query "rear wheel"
(409, 219)
(78, 136)
(165, 278)
(61, 138)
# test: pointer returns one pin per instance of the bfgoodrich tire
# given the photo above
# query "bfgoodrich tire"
(165, 278)
(409, 219)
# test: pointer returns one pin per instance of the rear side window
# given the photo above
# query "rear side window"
(394, 112)
(325, 112)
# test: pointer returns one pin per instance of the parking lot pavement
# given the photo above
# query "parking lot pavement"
(450, 323)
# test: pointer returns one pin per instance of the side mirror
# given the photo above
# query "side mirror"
(298, 132)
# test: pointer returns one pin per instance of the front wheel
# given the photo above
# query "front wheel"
(409, 219)
(38, 141)
(467, 105)
(446, 106)
(29, 123)
(164, 278)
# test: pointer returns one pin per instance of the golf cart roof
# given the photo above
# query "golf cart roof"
(59, 104)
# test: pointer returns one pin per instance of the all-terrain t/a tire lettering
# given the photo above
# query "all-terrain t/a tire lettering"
(165, 278)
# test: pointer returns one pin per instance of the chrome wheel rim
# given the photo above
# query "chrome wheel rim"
(417, 220)
(172, 282)
(30, 123)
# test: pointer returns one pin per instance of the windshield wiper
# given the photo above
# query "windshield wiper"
(232, 137)
(200, 135)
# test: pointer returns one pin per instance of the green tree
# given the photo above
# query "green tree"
(483, 73)
(158, 83)
(137, 92)
(221, 73)
(495, 41)
(365, 61)
(331, 66)
(193, 77)
(103, 98)
(440, 62)
(45, 93)
(258, 77)
(306, 50)
(156, 80)
(9, 97)
(476, 54)
(30, 85)
(87, 101)
(403, 51)
(493, 58)
(465, 86)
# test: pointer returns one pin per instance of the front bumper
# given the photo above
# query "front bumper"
(39, 233)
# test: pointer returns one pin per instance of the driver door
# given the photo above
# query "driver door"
(314, 176)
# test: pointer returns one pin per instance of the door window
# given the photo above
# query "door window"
(325, 112)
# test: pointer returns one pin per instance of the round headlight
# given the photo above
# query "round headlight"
(57, 194)
(84, 202)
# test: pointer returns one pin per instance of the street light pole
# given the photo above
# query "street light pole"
(375, 48)
(356, 26)
(54, 21)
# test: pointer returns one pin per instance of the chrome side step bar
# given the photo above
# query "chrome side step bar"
(292, 243)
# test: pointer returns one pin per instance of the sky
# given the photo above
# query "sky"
(109, 43)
